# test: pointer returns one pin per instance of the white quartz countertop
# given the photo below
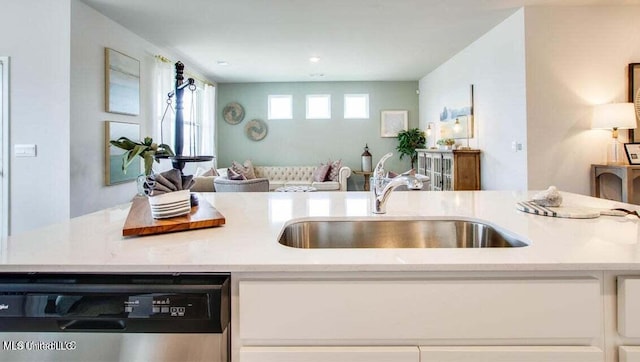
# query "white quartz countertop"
(249, 240)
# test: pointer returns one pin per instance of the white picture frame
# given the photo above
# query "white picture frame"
(393, 122)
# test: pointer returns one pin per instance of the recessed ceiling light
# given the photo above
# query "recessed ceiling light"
(314, 59)
(223, 63)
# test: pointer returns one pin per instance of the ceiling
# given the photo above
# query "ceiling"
(272, 40)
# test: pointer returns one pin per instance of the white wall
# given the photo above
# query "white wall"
(576, 57)
(35, 35)
(91, 32)
(495, 65)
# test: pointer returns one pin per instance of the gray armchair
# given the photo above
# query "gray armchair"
(203, 184)
(223, 184)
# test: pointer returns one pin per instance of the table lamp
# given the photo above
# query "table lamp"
(614, 116)
(457, 127)
(366, 159)
(429, 132)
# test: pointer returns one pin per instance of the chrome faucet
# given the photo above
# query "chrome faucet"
(383, 186)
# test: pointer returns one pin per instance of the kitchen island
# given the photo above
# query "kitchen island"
(572, 294)
(249, 239)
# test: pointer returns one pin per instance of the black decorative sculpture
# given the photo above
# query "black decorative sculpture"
(179, 160)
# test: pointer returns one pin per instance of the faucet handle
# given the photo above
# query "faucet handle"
(411, 172)
(379, 170)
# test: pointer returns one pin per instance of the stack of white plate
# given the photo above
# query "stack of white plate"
(170, 204)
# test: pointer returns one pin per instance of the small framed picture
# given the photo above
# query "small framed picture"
(633, 153)
(122, 81)
(392, 122)
(113, 173)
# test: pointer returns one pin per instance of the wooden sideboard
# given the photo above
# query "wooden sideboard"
(450, 170)
(626, 174)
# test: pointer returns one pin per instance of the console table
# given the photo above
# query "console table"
(366, 175)
(450, 170)
(626, 174)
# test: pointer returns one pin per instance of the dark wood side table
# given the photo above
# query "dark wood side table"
(626, 174)
(367, 175)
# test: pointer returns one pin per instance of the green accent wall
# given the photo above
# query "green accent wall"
(302, 142)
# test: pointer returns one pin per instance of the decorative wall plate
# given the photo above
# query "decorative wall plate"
(256, 129)
(233, 113)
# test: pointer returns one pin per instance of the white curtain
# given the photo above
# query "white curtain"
(204, 115)
(163, 77)
(209, 122)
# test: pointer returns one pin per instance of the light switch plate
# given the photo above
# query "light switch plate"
(24, 150)
(516, 146)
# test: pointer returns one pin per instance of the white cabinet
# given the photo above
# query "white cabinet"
(330, 310)
(629, 306)
(330, 354)
(440, 319)
(629, 354)
(629, 316)
(511, 354)
(433, 354)
(450, 170)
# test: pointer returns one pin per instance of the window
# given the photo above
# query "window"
(280, 107)
(318, 106)
(356, 106)
(192, 115)
(197, 134)
(198, 113)
(197, 118)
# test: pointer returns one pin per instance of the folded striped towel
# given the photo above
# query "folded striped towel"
(168, 181)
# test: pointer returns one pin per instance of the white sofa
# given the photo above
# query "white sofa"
(280, 176)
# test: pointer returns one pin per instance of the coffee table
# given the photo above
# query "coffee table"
(296, 189)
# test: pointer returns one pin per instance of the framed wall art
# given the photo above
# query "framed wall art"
(633, 153)
(634, 96)
(113, 173)
(459, 108)
(392, 122)
(122, 83)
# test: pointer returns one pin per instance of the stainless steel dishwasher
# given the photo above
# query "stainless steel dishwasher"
(97, 317)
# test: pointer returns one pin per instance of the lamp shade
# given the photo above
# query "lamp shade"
(614, 115)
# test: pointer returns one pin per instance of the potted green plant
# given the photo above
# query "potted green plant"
(409, 141)
(146, 149)
(446, 143)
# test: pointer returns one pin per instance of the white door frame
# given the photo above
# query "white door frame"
(4, 148)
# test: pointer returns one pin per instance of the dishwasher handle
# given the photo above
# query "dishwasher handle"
(92, 325)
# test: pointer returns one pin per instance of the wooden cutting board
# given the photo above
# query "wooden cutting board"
(140, 222)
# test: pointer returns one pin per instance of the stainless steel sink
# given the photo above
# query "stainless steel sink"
(395, 234)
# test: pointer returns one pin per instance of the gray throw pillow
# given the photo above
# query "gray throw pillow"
(320, 173)
(233, 175)
(246, 169)
(334, 172)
